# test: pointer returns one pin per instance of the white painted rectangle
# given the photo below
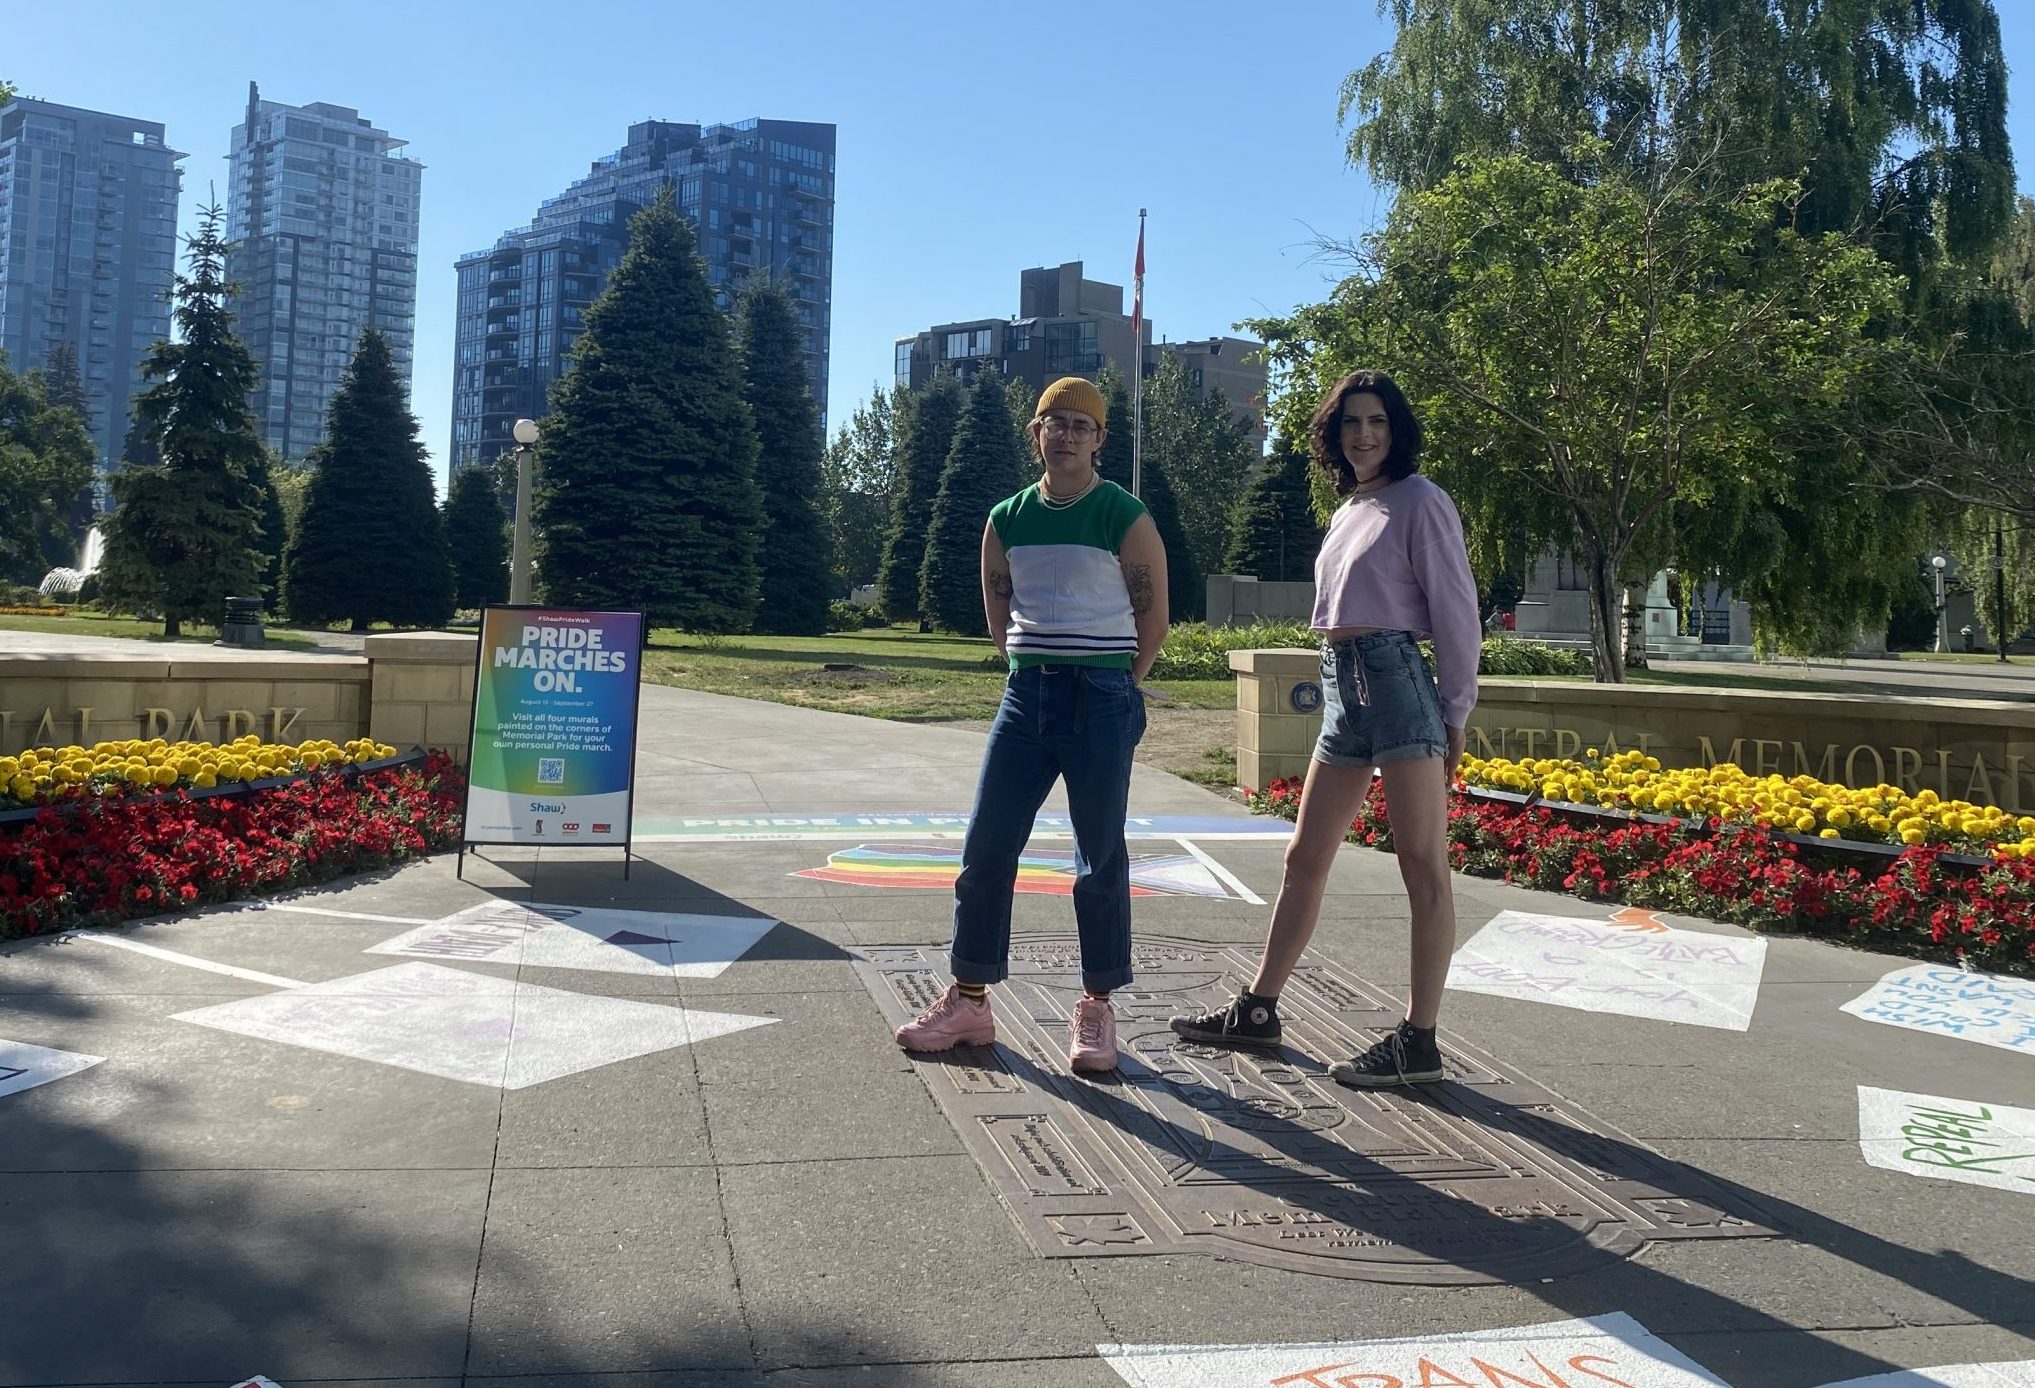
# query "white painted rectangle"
(583, 937)
(1948, 1139)
(1659, 972)
(1987, 1008)
(23, 1066)
(1609, 1351)
(471, 1027)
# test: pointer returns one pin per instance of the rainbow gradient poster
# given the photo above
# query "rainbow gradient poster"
(554, 726)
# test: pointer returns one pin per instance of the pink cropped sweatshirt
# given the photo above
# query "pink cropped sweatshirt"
(1394, 560)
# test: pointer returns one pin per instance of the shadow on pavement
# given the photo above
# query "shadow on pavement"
(1670, 1306)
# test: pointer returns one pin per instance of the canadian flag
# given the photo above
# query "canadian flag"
(1138, 292)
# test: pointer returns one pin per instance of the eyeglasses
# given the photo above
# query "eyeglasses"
(1074, 428)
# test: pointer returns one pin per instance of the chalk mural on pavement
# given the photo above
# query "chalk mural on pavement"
(1657, 972)
(1986, 1008)
(1948, 1139)
(583, 937)
(1609, 1351)
(23, 1066)
(472, 1027)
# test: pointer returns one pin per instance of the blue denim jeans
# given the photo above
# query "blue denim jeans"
(1378, 702)
(1056, 721)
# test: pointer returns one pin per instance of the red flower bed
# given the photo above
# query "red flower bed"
(1916, 904)
(107, 860)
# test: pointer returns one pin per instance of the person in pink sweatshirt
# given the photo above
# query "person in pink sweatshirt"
(1392, 570)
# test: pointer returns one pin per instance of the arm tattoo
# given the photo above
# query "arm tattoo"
(999, 583)
(1137, 578)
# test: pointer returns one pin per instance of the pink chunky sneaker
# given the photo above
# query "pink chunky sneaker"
(1091, 1044)
(952, 1021)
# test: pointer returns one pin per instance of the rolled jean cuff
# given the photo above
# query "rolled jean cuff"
(1107, 982)
(968, 971)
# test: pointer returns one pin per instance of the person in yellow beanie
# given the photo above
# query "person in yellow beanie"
(1074, 588)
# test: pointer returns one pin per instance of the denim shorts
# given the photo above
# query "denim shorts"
(1378, 702)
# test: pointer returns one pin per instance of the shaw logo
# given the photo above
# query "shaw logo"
(544, 807)
(569, 827)
(600, 828)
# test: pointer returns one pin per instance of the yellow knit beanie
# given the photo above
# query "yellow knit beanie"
(1074, 393)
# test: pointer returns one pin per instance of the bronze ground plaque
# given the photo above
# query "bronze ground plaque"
(1487, 1177)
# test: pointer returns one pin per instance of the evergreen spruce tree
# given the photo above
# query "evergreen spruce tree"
(1186, 593)
(66, 387)
(982, 469)
(926, 423)
(137, 446)
(1113, 460)
(185, 532)
(63, 382)
(1274, 535)
(477, 538)
(370, 546)
(798, 558)
(275, 532)
(45, 461)
(646, 486)
(1186, 589)
(1022, 400)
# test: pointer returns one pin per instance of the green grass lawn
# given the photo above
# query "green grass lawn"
(889, 672)
(1964, 658)
(902, 674)
(99, 624)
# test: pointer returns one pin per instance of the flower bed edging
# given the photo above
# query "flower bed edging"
(96, 861)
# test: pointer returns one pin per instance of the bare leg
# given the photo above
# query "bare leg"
(1328, 802)
(1416, 795)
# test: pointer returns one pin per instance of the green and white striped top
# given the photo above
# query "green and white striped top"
(1069, 603)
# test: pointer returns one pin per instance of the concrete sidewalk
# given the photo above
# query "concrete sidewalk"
(644, 1152)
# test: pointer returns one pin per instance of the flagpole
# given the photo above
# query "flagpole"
(1138, 365)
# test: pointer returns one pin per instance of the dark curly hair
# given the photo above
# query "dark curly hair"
(1324, 432)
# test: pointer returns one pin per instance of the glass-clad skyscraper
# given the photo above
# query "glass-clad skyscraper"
(760, 196)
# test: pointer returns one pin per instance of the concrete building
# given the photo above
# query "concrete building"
(1070, 325)
(760, 197)
(323, 215)
(88, 227)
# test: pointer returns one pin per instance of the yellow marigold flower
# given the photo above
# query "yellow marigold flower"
(21, 787)
(205, 780)
(1829, 834)
(1911, 836)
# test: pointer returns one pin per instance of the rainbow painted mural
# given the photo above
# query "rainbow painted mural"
(1050, 872)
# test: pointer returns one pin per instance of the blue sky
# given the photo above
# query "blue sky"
(973, 142)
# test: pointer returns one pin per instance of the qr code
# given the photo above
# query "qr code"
(551, 771)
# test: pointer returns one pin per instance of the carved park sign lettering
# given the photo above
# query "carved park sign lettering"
(2004, 779)
(52, 727)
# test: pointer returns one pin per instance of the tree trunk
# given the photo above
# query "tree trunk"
(173, 627)
(1606, 645)
(361, 624)
(1635, 626)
